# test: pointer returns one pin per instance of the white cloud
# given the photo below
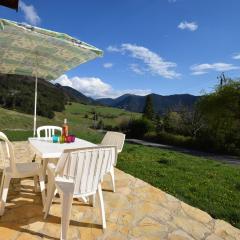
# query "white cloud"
(135, 68)
(94, 87)
(153, 63)
(113, 49)
(191, 26)
(236, 56)
(107, 65)
(199, 69)
(30, 13)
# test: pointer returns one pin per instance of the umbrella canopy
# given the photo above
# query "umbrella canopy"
(28, 51)
(32, 51)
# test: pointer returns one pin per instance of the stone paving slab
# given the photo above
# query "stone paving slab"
(137, 211)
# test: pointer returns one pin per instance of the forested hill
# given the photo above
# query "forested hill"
(17, 93)
(161, 104)
(74, 95)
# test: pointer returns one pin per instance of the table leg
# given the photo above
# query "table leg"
(44, 166)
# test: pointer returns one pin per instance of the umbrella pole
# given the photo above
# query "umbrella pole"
(35, 107)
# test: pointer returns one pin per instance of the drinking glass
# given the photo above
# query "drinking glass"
(72, 138)
(62, 139)
(68, 139)
(55, 139)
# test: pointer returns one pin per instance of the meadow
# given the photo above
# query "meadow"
(18, 126)
(209, 185)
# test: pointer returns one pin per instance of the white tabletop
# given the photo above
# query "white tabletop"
(48, 149)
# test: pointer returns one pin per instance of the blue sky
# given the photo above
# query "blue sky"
(160, 46)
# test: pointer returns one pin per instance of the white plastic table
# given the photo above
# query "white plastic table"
(46, 149)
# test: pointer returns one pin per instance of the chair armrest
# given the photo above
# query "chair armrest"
(64, 185)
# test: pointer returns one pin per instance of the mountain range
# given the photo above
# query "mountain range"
(17, 92)
(134, 103)
(161, 104)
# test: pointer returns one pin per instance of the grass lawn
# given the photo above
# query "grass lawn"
(211, 186)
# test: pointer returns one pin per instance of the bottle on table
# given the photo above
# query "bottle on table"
(65, 128)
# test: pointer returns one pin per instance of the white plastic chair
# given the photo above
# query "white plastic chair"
(49, 131)
(11, 169)
(78, 174)
(114, 139)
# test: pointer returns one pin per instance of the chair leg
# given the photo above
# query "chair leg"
(55, 192)
(67, 199)
(113, 178)
(2, 181)
(35, 178)
(50, 195)
(92, 200)
(42, 188)
(5, 187)
(102, 205)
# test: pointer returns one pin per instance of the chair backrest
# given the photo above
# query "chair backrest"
(86, 167)
(7, 152)
(114, 139)
(49, 131)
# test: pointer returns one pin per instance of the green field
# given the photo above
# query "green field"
(211, 186)
(19, 126)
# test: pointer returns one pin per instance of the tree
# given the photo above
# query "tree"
(221, 113)
(95, 118)
(100, 124)
(148, 111)
(173, 122)
(139, 127)
(192, 121)
(16, 92)
(159, 124)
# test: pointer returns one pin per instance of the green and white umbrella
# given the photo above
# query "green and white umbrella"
(33, 51)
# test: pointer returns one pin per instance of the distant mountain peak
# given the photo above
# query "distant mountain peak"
(161, 103)
(74, 95)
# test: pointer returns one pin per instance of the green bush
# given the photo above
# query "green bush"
(124, 125)
(221, 115)
(108, 127)
(171, 139)
(139, 127)
(100, 124)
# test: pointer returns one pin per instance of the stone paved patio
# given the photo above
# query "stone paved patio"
(136, 211)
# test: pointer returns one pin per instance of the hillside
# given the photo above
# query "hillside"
(80, 119)
(17, 93)
(161, 103)
(74, 95)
